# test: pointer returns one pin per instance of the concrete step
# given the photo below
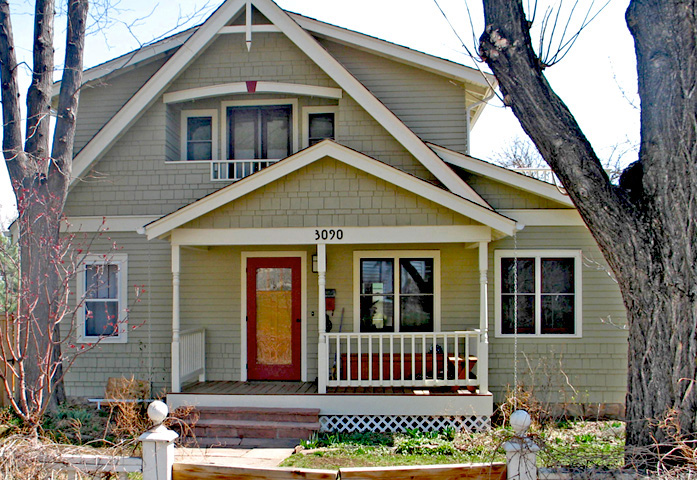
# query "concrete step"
(224, 442)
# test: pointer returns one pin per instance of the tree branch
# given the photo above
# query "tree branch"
(64, 135)
(506, 47)
(11, 113)
(41, 88)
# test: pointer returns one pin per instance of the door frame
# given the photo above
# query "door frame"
(302, 255)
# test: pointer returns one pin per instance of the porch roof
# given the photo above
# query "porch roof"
(489, 218)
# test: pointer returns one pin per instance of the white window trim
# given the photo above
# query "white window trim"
(215, 148)
(295, 136)
(396, 255)
(121, 259)
(307, 111)
(577, 255)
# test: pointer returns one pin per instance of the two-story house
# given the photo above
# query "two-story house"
(298, 202)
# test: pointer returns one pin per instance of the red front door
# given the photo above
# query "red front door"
(273, 318)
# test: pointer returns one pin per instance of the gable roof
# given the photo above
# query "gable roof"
(206, 34)
(502, 174)
(330, 149)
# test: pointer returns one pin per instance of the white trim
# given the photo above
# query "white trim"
(396, 52)
(262, 28)
(567, 217)
(502, 174)
(328, 148)
(145, 97)
(539, 254)
(185, 115)
(348, 404)
(396, 255)
(120, 259)
(307, 111)
(349, 235)
(131, 59)
(124, 223)
(294, 122)
(242, 88)
(139, 103)
(303, 306)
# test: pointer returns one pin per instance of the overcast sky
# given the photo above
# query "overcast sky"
(597, 79)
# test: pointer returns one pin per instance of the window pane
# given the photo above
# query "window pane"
(274, 279)
(199, 151)
(558, 275)
(416, 275)
(243, 141)
(101, 281)
(377, 313)
(526, 313)
(199, 128)
(377, 276)
(276, 136)
(321, 126)
(416, 313)
(558, 314)
(101, 318)
(526, 275)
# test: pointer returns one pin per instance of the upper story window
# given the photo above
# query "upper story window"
(199, 139)
(398, 291)
(102, 289)
(540, 291)
(320, 127)
(259, 132)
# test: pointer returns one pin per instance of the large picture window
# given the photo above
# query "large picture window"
(259, 132)
(397, 292)
(102, 290)
(540, 291)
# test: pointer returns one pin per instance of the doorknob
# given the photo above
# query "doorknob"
(298, 320)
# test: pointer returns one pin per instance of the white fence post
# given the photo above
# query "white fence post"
(521, 451)
(158, 445)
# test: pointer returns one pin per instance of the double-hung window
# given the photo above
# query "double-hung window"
(199, 135)
(397, 291)
(539, 291)
(101, 289)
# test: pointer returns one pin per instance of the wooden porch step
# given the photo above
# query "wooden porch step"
(248, 426)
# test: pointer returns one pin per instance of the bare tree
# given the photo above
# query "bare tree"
(647, 225)
(40, 178)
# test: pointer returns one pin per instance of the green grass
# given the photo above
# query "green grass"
(567, 444)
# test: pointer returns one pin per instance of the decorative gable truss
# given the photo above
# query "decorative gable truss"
(219, 23)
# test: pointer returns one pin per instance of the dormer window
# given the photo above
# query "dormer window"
(199, 134)
(260, 132)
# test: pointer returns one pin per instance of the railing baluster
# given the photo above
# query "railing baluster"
(370, 359)
(401, 353)
(423, 359)
(445, 358)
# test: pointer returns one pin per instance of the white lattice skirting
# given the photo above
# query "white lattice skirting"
(400, 423)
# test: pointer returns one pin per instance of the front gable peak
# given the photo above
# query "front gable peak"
(249, 17)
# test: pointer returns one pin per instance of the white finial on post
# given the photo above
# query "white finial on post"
(158, 445)
(521, 451)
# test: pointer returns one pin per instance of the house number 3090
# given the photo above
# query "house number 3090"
(329, 234)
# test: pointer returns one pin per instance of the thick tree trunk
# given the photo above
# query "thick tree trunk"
(645, 227)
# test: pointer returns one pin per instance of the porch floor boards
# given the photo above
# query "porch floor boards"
(307, 388)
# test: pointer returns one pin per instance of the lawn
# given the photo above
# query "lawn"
(567, 444)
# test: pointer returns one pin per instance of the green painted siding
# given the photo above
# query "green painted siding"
(432, 106)
(146, 356)
(596, 364)
(328, 193)
(501, 196)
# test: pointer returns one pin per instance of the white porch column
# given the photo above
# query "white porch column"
(322, 352)
(176, 384)
(483, 353)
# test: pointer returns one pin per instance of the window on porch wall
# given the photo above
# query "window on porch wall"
(407, 308)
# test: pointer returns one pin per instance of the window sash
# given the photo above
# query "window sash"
(317, 122)
(262, 138)
(102, 293)
(538, 318)
(392, 309)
